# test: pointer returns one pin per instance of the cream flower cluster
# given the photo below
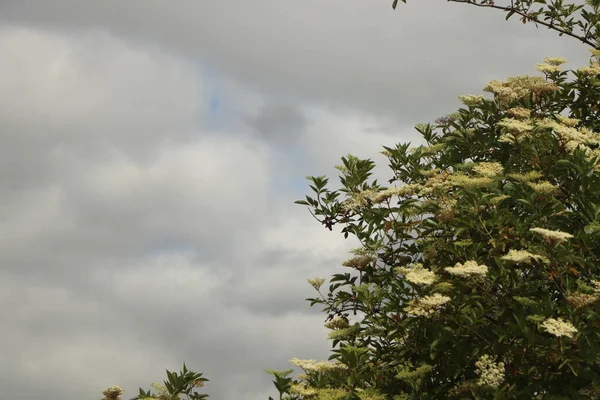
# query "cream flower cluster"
(112, 392)
(520, 87)
(519, 112)
(490, 373)
(523, 256)
(471, 100)
(468, 269)
(489, 169)
(427, 306)
(548, 68)
(558, 327)
(356, 201)
(592, 69)
(515, 130)
(580, 300)
(417, 274)
(555, 236)
(359, 261)
(471, 182)
(515, 125)
(555, 60)
(316, 282)
(544, 188)
(317, 366)
(526, 177)
(571, 137)
(338, 323)
(303, 390)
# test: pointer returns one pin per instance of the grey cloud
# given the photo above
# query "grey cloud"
(279, 122)
(408, 64)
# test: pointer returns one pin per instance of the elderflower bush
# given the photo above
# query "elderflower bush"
(478, 275)
(178, 386)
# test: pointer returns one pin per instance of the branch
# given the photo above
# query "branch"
(549, 25)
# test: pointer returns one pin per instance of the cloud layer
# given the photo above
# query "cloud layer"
(151, 153)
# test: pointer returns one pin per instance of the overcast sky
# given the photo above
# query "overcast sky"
(151, 152)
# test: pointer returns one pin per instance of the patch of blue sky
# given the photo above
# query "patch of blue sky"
(289, 180)
(213, 107)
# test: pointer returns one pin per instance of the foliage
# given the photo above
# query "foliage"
(478, 275)
(177, 386)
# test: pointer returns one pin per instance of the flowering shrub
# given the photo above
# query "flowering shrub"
(478, 274)
(176, 387)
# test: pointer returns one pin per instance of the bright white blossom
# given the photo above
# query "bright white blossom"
(555, 236)
(490, 373)
(468, 269)
(558, 327)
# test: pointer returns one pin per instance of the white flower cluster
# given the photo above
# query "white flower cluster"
(558, 327)
(471, 100)
(571, 138)
(555, 236)
(543, 188)
(316, 282)
(490, 373)
(523, 256)
(417, 274)
(471, 182)
(515, 125)
(112, 392)
(580, 300)
(427, 306)
(489, 169)
(519, 112)
(520, 87)
(360, 261)
(468, 269)
(555, 60)
(317, 366)
(303, 390)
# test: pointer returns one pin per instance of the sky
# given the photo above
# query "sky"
(152, 150)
